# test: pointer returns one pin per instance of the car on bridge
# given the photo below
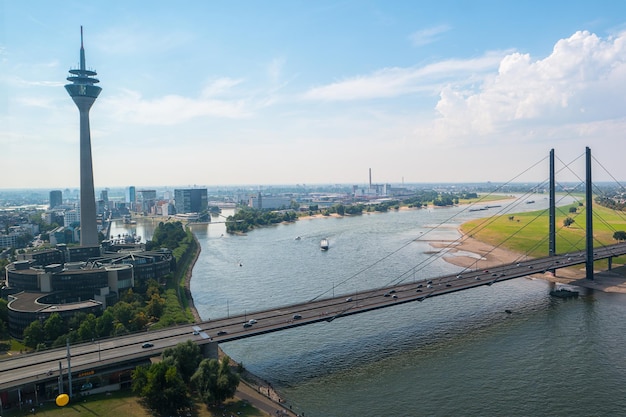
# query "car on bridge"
(147, 345)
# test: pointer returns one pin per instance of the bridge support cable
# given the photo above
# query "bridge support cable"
(552, 228)
(589, 225)
(423, 263)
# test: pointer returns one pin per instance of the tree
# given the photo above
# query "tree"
(87, 329)
(186, 356)
(54, 326)
(568, 222)
(572, 209)
(155, 306)
(4, 310)
(214, 381)
(619, 235)
(34, 334)
(105, 324)
(161, 387)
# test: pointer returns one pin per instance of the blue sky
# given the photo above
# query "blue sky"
(314, 92)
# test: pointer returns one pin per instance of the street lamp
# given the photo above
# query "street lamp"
(69, 367)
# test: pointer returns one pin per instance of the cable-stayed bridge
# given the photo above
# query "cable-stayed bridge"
(112, 355)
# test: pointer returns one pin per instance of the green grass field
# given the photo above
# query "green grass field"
(527, 233)
(124, 403)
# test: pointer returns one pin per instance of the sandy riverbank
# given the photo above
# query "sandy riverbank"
(474, 254)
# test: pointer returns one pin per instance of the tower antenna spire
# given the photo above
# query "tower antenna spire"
(82, 51)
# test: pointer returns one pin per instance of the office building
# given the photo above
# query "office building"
(193, 200)
(131, 199)
(56, 198)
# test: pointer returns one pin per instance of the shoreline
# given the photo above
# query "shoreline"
(252, 389)
(470, 253)
(466, 252)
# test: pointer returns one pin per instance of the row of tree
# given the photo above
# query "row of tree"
(248, 218)
(131, 314)
(614, 203)
(149, 304)
(167, 387)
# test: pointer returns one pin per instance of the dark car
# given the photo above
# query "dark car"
(297, 316)
(246, 325)
(222, 333)
(147, 345)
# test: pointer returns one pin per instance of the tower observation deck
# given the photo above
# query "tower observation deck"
(84, 93)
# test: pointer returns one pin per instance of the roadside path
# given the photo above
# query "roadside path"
(263, 403)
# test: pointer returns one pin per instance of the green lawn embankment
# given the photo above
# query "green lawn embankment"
(527, 233)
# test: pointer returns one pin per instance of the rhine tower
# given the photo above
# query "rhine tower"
(84, 92)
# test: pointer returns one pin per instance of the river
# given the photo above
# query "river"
(460, 354)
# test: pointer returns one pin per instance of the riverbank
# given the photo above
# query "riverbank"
(471, 253)
(252, 389)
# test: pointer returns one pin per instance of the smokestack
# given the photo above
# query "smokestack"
(370, 177)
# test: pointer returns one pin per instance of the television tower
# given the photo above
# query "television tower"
(84, 93)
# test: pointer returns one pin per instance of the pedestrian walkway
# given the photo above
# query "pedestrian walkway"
(262, 402)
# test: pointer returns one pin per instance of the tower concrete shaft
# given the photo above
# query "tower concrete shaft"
(84, 93)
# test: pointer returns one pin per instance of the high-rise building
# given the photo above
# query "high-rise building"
(192, 200)
(131, 195)
(84, 93)
(146, 201)
(56, 198)
(104, 196)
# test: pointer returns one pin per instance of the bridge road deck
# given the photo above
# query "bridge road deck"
(43, 366)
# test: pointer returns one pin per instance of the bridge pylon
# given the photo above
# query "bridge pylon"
(552, 226)
(589, 212)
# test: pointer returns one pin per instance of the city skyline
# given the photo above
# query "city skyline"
(314, 93)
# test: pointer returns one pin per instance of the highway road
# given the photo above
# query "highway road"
(42, 366)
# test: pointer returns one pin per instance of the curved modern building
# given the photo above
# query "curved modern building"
(38, 291)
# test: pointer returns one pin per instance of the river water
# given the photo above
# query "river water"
(455, 355)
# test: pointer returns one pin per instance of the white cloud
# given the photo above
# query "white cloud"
(581, 83)
(131, 107)
(220, 86)
(428, 35)
(393, 82)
